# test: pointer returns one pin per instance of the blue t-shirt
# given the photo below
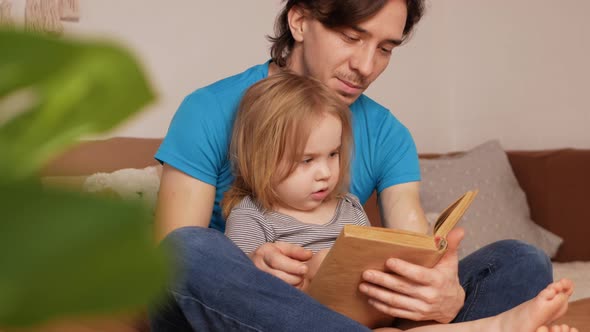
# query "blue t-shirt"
(198, 140)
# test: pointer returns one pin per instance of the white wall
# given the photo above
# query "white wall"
(475, 70)
(522, 72)
(184, 44)
(518, 71)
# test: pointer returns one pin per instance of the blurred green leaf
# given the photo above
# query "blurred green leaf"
(76, 89)
(65, 253)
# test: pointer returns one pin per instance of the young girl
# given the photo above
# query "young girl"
(290, 151)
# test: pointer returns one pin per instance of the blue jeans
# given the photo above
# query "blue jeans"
(219, 289)
(501, 276)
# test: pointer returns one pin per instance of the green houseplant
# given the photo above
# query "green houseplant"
(65, 253)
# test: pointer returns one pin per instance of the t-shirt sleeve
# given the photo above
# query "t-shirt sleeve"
(246, 228)
(397, 159)
(359, 211)
(198, 137)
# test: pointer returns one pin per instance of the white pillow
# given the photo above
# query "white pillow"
(500, 210)
(128, 183)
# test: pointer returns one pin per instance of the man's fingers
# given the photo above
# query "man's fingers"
(291, 279)
(294, 251)
(454, 238)
(279, 256)
(415, 292)
(413, 273)
(283, 263)
(394, 304)
(395, 312)
(450, 259)
(423, 275)
(391, 282)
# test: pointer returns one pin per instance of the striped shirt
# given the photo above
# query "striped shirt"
(249, 225)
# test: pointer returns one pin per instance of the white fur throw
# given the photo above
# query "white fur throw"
(129, 183)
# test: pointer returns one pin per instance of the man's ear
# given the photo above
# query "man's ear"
(296, 18)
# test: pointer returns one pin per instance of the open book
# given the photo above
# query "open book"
(359, 248)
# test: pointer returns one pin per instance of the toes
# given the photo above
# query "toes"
(565, 286)
(570, 287)
(560, 328)
(561, 285)
(548, 293)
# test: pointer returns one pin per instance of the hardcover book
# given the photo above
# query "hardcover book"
(359, 248)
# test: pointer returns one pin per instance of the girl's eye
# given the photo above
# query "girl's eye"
(334, 154)
(307, 160)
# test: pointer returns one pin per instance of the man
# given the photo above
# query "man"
(346, 44)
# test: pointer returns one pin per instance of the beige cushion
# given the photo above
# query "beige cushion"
(500, 210)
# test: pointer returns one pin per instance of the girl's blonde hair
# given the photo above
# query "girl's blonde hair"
(273, 123)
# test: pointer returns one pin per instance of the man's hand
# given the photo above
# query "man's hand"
(418, 293)
(283, 260)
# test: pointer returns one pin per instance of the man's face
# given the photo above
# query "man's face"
(349, 59)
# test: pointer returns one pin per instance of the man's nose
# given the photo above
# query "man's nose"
(363, 60)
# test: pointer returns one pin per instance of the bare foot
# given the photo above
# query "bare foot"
(557, 328)
(534, 315)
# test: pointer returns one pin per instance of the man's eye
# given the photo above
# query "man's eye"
(350, 38)
(386, 50)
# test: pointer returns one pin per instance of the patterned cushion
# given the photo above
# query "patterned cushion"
(500, 210)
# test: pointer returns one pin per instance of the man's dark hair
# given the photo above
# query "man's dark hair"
(333, 14)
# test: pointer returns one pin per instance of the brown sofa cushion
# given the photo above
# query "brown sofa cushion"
(107, 155)
(557, 184)
(543, 175)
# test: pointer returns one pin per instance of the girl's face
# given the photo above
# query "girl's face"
(316, 175)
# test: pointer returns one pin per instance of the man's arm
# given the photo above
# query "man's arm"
(411, 291)
(186, 201)
(182, 201)
(400, 208)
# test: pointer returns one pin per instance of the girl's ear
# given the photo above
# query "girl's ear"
(296, 17)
